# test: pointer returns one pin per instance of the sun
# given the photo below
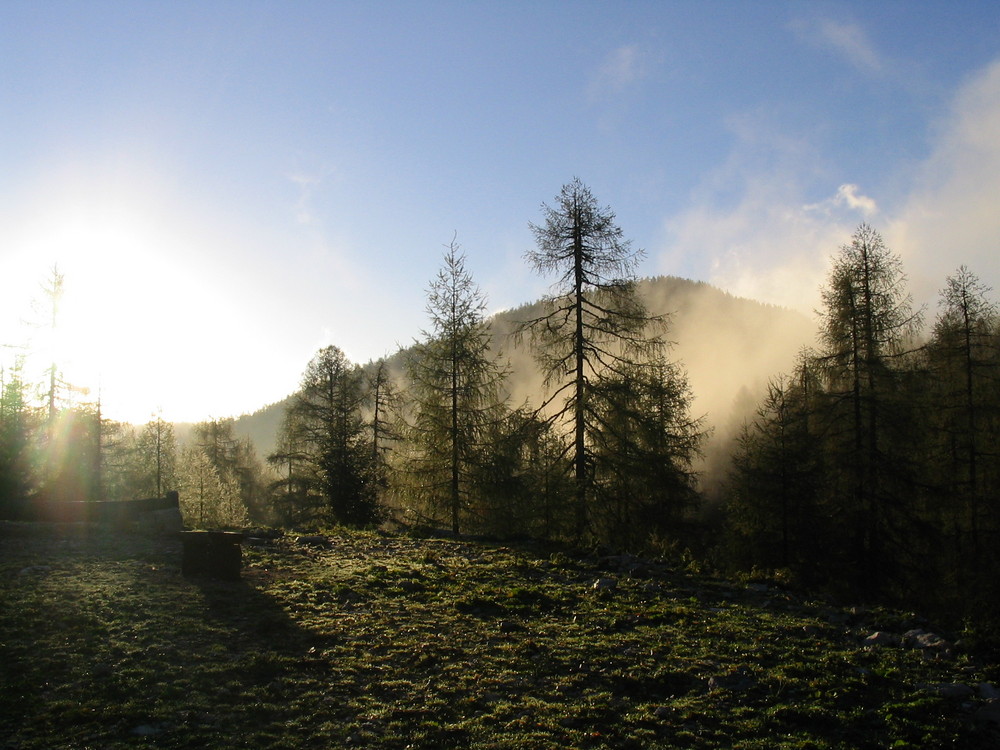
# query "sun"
(110, 328)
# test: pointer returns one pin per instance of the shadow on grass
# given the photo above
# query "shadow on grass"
(103, 642)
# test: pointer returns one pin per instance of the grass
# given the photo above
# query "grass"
(392, 642)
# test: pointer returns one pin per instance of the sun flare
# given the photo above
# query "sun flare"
(115, 326)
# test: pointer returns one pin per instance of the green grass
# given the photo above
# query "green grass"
(392, 642)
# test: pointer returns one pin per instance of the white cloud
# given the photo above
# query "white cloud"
(847, 195)
(769, 244)
(951, 216)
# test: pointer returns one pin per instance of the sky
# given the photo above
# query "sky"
(227, 187)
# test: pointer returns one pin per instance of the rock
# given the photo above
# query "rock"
(313, 540)
(32, 570)
(146, 730)
(882, 638)
(952, 690)
(736, 681)
(758, 588)
(923, 639)
(605, 584)
(663, 712)
(987, 692)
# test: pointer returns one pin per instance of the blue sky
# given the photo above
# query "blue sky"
(228, 186)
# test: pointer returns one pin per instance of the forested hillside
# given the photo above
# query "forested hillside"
(730, 347)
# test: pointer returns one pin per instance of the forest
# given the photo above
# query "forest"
(868, 471)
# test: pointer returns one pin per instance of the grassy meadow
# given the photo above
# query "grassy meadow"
(381, 641)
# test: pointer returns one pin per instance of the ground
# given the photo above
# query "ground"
(393, 642)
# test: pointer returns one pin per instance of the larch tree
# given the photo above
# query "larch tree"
(384, 402)
(964, 358)
(594, 327)
(157, 447)
(456, 390)
(867, 330)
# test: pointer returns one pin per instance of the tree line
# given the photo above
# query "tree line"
(872, 468)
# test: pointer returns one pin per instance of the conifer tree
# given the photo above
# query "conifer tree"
(456, 391)
(867, 331)
(965, 362)
(325, 433)
(594, 328)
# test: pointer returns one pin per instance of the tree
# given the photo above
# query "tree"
(324, 440)
(209, 498)
(867, 329)
(236, 462)
(964, 361)
(777, 477)
(456, 389)
(593, 327)
(158, 450)
(15, 443)
(644, 446)
(384, 402)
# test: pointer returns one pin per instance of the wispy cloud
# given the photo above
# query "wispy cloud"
(847, 39)
(619, 70)
(306, 184)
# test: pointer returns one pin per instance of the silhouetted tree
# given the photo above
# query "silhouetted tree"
(964, 358)
(644, 445)
(777, 478)
(384, 402)
(868, 328)
(593, 327)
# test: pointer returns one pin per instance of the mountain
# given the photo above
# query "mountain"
(729, 346)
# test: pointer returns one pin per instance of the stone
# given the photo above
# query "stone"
(605, 584)
(32, 570)
(952, 690)
(882, 638)
(987, 692)
(146, 730)
(313, 540)
(926, 640)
